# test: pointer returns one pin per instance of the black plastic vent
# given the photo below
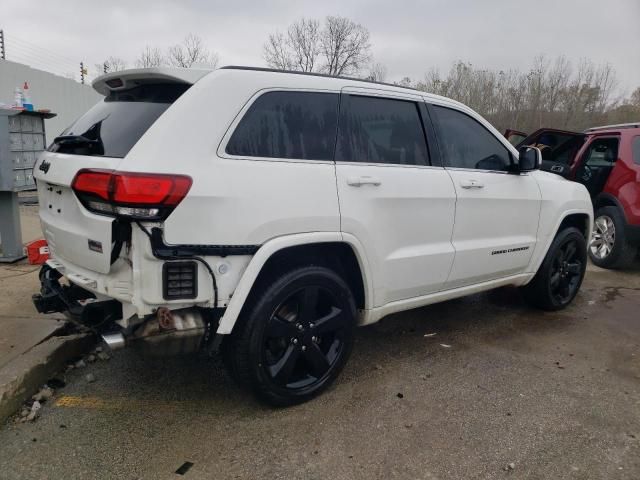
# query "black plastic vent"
(179, 280)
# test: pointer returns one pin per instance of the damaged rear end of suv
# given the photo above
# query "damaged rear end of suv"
(104, 201)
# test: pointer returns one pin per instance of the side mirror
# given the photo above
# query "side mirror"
(530, 158)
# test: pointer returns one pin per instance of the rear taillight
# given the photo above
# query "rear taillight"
(142, 196)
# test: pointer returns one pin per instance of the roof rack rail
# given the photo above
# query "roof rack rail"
(315, 74)
(618, 125)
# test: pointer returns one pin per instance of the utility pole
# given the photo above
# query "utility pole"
(83, 72)
(2, 52)
(105, 67)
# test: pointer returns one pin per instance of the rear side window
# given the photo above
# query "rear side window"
(113, 126)
(636, 150)
(296, 125)
(381, 130)
(466, 143)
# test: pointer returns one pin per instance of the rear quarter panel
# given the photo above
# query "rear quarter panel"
(233, 200)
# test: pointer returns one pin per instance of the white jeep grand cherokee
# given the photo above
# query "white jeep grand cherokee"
(268, 213)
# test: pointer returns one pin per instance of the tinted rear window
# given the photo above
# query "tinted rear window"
(113, 126)
(381, 130)
(297, 125)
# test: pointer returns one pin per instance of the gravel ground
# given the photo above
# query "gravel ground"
(519, 393)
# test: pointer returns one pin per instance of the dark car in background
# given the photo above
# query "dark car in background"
(606, 160)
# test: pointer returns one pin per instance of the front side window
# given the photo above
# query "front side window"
(598, 163)
(296, 125)
(381, 130)
(466, 143)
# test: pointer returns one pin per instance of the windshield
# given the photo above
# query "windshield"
(112, 127)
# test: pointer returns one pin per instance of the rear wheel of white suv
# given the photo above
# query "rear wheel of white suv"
(294, 336)
(558, 279)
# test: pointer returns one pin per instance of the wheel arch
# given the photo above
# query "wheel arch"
(608, 200)
(324, 248)
(578, 218)
(581, 221)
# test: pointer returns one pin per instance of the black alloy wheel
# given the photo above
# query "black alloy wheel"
(304, 338)
(566, 271)
(560, 275)
(294, 336)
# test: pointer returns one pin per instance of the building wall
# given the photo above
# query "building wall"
(67, 98)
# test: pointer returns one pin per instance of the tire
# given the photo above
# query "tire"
(608, 247)
(294, 336)
(558, 279)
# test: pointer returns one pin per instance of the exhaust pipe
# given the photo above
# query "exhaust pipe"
(114, 341)
(169, 332)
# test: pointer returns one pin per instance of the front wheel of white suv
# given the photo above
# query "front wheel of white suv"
(558, 279)
(294, 336)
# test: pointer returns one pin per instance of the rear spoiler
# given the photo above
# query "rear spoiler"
(125, 79)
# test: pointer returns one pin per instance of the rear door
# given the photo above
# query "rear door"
(497, 212)
(99, 139)
(393, 199)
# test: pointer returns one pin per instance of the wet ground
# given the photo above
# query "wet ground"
(557, 395)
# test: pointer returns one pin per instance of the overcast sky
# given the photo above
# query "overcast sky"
(409, 37)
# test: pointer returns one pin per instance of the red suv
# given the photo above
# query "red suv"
(606, 160)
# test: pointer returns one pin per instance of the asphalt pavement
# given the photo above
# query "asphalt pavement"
(500, 391)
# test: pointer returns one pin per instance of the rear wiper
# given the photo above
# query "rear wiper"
(74, 140)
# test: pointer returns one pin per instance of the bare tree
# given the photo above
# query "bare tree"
(550, 94)
(276, 52)
(303, 39)
(405, 82)
(377, 72)
(339, 47)
(111, 64)
(345, 45)
(191, 51)
(150, 57)
(635, 98)
(556, 82)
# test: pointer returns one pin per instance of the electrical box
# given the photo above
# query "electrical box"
(22, 138)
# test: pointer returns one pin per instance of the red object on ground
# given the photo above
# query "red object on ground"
(37, 252)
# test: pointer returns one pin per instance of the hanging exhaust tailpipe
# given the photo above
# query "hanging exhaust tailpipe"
(169, 332)
(115, 341)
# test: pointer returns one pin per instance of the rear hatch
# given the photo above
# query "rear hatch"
(80, 227)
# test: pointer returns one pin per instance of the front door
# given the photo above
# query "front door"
(497, 212)
(398, 205)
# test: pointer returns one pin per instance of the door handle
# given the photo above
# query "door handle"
(364, 180)
(471, 184)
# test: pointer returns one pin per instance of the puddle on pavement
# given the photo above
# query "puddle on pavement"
(612, 293)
